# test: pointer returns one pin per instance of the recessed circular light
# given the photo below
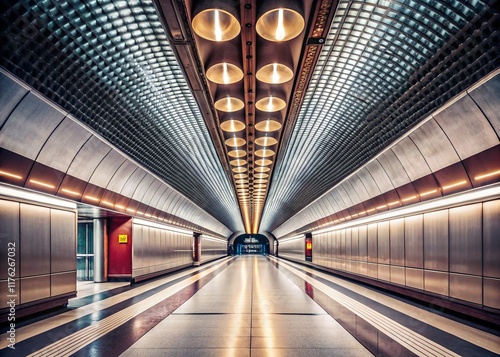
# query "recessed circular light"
(274, 73)
(234, 142)
(232, 126)
(224, 73)
(268, 126)
(266, 141)
(216, 25)
(270, 104)
(229, 104)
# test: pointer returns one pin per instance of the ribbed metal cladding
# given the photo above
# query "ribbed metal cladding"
(384, 66)
(109, 64)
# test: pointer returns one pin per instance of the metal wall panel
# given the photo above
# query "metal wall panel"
(28, 127)
(11, 93)
(369, 183)
(106, 169)
(434, 146)
(411, 159)
(9, 233)
(372, 270)
(466, 127)
(358, 185)
(465, 239)
(383, 246)
(355, 243)
(414, 241)
(348, 243)
(491, 288)
(372, 243)
(122, 175)
(363, 243)
(63, 145)
(466, 287)
(383, 272)
(35, 288)
(486, 97)
(398, 275)
(397, 241)
(62, 283)
(491, 241)
(393, 168)
(436, 282)
(380, 176)
(34, 240)
(63, 240)
(344, 195)
(436, 240)
(4, 289)
(90, 155)
(333, 201)
(351, 191)
(415, 278)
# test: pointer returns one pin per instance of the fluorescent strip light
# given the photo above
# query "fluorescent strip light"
(143, 222)
(454, 185)
(119, 206)
(408, 198)
(92, 198)
(36, 197)
(480, 177)
(4, 173)
(218, 240)
(42, 183)
(427, 193)
(470, 196)
(74, 193)
(291, 238)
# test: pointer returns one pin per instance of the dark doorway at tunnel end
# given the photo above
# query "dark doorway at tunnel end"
(250, 244)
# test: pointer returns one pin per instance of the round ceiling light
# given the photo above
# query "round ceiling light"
(268, 126)
(260, 181)
(239, 169)
(216, 25)
(237, 153)
(238, 162)
(224, 73)
(262, 169)
(263, 162)
(232, 126)
(240, 176)
(260, 175)
(266, 141)
(229, 104)
(234, 142)
(280, 25)
(274, 73)
(270, 104)
(241, 181)
(264, 153)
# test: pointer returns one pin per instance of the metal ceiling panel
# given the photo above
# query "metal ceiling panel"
(107, 168)
(153, 188)
(411, 159)
(486, 97)
(158, 194)
(164, 197)
(11, 93)
(134, 181)
(29, 125)
(393, 168)
(369, 183)
(351, 192)
(343, 196)
(87, 159)
(122, 175)
(434, 145)
(467, 127)
(358, 185)
(380, 176)
(63, 145)
(142, 187)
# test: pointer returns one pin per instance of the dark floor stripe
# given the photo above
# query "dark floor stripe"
(441, 337)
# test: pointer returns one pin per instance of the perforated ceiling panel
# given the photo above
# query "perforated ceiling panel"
(384, 66)
(110, 65)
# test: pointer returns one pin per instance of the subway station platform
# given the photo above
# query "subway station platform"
(249, 305)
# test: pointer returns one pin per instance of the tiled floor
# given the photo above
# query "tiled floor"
(249, 309)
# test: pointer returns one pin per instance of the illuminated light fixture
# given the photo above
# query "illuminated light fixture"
(36, 197)
(232, 126)
(90, 198)
(224, 73)
(260, 186)
(262, 169)
(480, 177)
(139, 212)
(4, 173)
(270, 104)
(393, 203)
(261, 175)
(216, 25)
(427, 193)
(263, 162)
(380, 207)
(355, 215)
(409, 198)
(268, 126)
(130, 210)
(162, 226)
(260, 181)
(264, 153)
(454, 185)
(107, 203)
(237, 153)
(234, 142)
(119, 206)
(274, 73)
(238, 162)
(44, 184)
(241, 181)
(229, 104)
(370, 210)
(147, 215)
(74, 193)
(238, 176)
(239, 169)
(266, 141)
(280, 25)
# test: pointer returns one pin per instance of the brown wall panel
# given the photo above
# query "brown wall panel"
(397, 241)
(35, 240)
(35, 288)
(9, 236)
(466, 287)
(436, 240)
(491, 241)
(383, 245)
(372, 243)
(62, 283)
(63, 241)
(436, 282)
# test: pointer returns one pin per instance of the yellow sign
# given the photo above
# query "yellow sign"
(122, 238)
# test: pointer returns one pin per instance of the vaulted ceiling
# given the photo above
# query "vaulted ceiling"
(363, 73)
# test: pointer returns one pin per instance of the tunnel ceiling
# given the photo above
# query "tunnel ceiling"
(380, 68)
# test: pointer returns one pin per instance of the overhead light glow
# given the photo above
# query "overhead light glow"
(74, 193)
(44, 184)
(217, 30)
(91, 198)
(280, 29)
(232, 126)
(36, 197)
(489, 174)
(427, 193)
(5, 173)
(460, 183)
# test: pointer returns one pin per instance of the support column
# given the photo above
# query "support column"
(196, 249)
(100, 251)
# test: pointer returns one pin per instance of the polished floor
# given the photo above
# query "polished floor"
(247, 306)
